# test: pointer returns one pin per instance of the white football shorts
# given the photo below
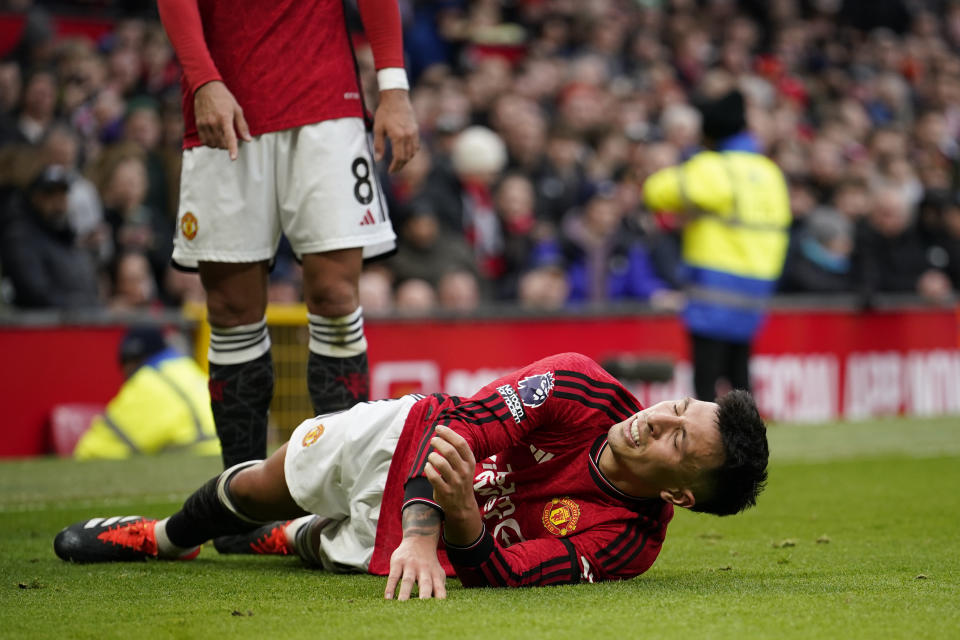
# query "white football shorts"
(336, 467)
(316, 184)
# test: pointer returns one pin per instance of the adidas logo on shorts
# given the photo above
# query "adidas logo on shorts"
(368, 219)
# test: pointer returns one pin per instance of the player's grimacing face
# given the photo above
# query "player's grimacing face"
(668, 444)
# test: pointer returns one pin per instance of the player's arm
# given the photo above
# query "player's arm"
(219, 118)
(476, 557)
(450, 470)
(594, 556)
(415, 560)
(533, 563)
(664, 190)
(617, 551)
(394, 118)
(548, 396)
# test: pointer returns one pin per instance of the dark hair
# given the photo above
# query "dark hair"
(140, 342)
(723, 116)
(735, 485)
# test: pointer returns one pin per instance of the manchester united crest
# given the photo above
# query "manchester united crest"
(560, 516)
(312, 436)
(188, 226)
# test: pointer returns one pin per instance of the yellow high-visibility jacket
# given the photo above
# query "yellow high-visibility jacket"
(163, 406)
(735, 242)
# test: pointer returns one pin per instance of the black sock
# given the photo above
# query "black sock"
(205, 516)
(336, 384)
(240, 396)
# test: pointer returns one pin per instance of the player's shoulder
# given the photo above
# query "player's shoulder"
(583, 378)
(576, 364)
(573, 360)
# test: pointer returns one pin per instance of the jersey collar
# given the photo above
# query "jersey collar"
(601, 480)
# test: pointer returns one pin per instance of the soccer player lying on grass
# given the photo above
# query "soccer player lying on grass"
(575, 482)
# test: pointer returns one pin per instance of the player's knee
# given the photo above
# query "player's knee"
(233, 311)
(260, 491)
(249, 491)
(331, 298)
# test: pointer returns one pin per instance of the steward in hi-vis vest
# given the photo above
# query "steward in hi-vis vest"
(162, 406)
(735, 236)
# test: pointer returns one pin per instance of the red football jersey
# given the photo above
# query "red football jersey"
(550, 516)
(287, 62)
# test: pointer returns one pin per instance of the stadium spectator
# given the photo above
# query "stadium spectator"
(890, 255)
(134, 287)
(124, 66)
(255, 128)
(515, 202)
(818, 259)
(82, 73)
(386, 482)
(182, 288)
(415, 297)
(408, 183)
(106, 113)
(459, 292)
(376, 289)
(734, 241)
(40, 256)
(543, 288)
(605, 261)
(135, 226)
(843, 111)
(852, 199)
(39, 104)
(680, 124)
(462, 196)
(10, 88)
(163, 404)
(521, 124)
(142, 128)
(561, 179)
(36, 48)
(84, 207)
(426, 251)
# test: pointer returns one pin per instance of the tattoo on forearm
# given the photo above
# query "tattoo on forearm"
(420, 520)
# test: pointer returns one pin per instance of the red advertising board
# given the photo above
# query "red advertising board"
(50, 366)
(808, 365)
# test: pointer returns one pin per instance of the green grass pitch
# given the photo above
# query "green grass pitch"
(857, 536)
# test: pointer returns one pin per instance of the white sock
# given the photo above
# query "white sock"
(341, 337)
(299, 538)
(234, 345)
(165, 548)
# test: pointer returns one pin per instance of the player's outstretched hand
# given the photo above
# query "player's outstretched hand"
(219, 118)
(415, 562)
(450, 469)
(394, 119)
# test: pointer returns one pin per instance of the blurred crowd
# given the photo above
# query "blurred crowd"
(540, 119)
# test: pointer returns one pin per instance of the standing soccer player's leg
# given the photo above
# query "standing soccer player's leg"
(334, 214)
(337, 372)
(241, 366)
